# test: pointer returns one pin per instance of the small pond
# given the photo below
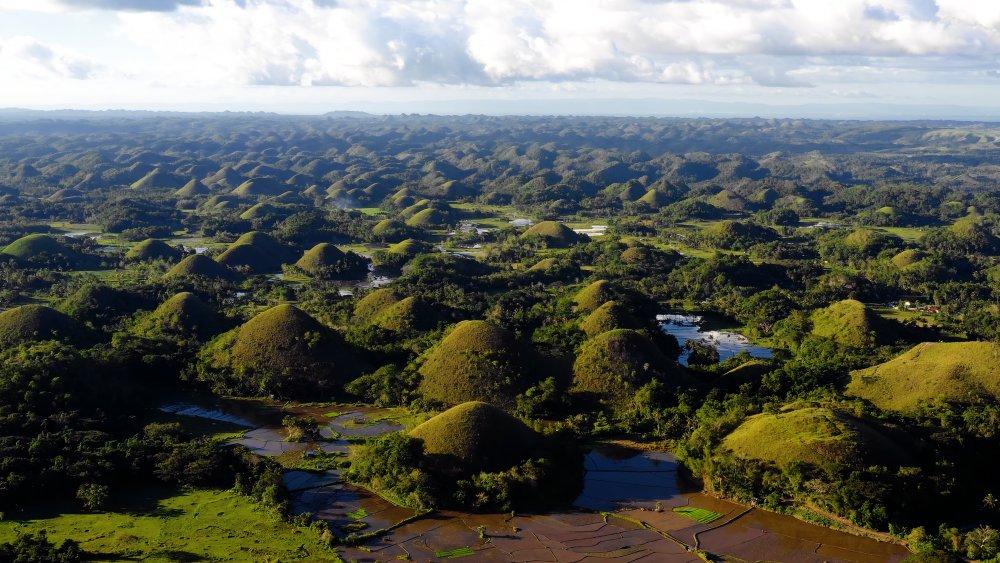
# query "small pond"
(685, 326)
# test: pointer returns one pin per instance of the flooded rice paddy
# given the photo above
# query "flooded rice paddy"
(625, 511)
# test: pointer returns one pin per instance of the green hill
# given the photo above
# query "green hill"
(399, 254)
(736, 235)
(220, 203)
(259, 253)
(609, 316)
(200, 265)
(65, 194)
(327, 261)
(631, 192)
(430, 217)
(410, 247)
(543, 265)
(748, 372)
(390, 230)
(152, 249)
(654, 199)
(159, 180)
(266, 210)
(226, 177)
(415, 208)
(908, 258)
(38, 322)
(554, 233)
(261, 186)
(453, 189)
(932, 373)
(815, 435)
(475, 361)
(870, 242)
(637, 255)
(765, 197)
(183, 315)
(407, 316)
(282, 351)
(192, 189)
(613, 365)
(369, 306)
(729, 201)
(593, 296)
(475, 436)
(101, 305)
(851, 323)
(37, 246)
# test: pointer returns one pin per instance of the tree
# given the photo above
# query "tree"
(982, 543)
(93, 496)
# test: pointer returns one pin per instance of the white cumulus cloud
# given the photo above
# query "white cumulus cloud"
(26, 58)
(501, 42)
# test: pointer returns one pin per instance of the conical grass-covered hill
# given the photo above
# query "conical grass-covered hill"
(631, 192)
(410, 247)
(399, 254)
(475, 436)
(654, 199)
(200, 265)
(38, 246)
(430, 217)
(369, 306)
(327, 261)
(932, 374)
(261, 186)
(101, 305)
(152, 249)
(613, 365)
(258, 253)
(747, 372)
(554, 233)
(193, 188)
(267, 210)
(37, 323)
(391, 230)
(817, 435)
(609, 316)
(183, 315)
(159, 179)
(543, 265)
(908, 258)
(851, 323)
(475, 361)
(415, 208)
(66, 195)
(283, 352)
(407, 317)
(591, 297)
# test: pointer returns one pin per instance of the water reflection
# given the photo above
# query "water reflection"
(618, 478)
(687, 327)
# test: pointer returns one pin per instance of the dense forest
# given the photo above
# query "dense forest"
(499, 279)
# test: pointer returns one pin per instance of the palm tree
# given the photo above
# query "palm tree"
(990, 501)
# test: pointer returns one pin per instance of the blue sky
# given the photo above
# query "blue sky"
(904, 58)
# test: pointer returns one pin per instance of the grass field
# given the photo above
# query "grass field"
(190, 526)
(931, 373)
(455, 553)
(698, 514)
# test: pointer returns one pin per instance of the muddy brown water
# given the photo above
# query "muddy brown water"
(624, 512)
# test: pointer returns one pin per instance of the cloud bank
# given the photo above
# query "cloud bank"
(493, 42)
(487, 43)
